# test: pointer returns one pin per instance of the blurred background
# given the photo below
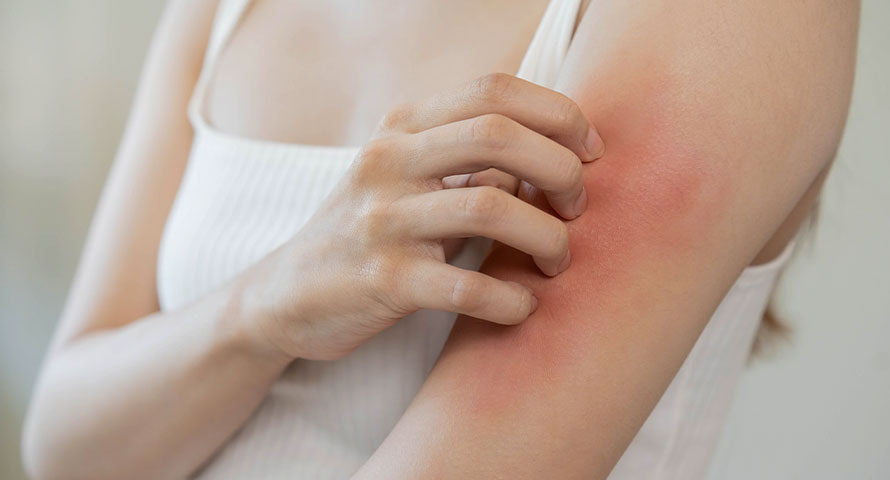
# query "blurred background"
(817, 408)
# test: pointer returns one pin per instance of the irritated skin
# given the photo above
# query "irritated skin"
(717, 117)
(524, 396)
(716, 123)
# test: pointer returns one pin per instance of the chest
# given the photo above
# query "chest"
(325, 72)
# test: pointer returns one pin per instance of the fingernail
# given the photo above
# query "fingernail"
(581, 202)
(507, 189)
(534, 305)
(565, 262)
(594, 145)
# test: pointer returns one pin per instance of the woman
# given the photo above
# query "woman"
(279, 318)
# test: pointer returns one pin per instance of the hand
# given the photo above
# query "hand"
(373, 252)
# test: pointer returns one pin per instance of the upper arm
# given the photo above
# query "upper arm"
(717, 117)
(115, 280)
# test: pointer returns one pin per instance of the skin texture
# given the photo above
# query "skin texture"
(354, 269)
(714, 135)
(155, 411)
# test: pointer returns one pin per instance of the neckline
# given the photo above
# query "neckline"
(204, 127)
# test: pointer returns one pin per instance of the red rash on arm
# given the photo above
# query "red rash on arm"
(643, 212)
(641, 218)
(650, 206)
(713, 134)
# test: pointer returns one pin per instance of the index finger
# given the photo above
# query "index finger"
(538, 108)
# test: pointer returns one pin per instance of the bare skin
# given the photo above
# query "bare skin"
(372, 252)
(309, 60)
(715, 131)
(346, 104)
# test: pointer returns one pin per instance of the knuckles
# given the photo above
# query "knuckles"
(558, 241)
(568, 114)
(466, 293)
(384, 263)
(483, 205)
(374, 160)
(491, 130)
(567, 172)
(397, 119)
(382, 273)
(374, 152)
(492, 88)
(378, 222)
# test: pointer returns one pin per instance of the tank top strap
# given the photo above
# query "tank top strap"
(550, 44)
(228, 14)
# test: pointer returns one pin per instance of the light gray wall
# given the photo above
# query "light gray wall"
(819, 410)
(67, 73)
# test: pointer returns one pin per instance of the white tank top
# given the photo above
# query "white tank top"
(240, 198)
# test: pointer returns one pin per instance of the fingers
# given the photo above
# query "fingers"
(495, 141)
(491, 177)
(541, 109)
(439, 286)
(492, 213)
(494, 178)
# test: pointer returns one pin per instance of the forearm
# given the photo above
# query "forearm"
(152, 399)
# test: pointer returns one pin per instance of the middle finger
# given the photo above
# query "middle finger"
(495, 141)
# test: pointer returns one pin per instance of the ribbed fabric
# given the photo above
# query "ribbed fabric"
(241, 198)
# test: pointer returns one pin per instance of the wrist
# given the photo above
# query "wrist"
(241, 323)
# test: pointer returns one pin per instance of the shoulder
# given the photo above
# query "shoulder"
(713, 77)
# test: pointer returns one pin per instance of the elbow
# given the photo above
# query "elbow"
(47, 456)
(41, 446)
(36, 456)
(41, 442)
(50, 445)
(39, 467)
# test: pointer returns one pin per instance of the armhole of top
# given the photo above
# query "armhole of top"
(582, 10)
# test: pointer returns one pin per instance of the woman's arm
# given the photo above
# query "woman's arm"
(717, 117)
(102, 407)
(128, 391)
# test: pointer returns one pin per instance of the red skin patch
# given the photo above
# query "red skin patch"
(648, 207)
